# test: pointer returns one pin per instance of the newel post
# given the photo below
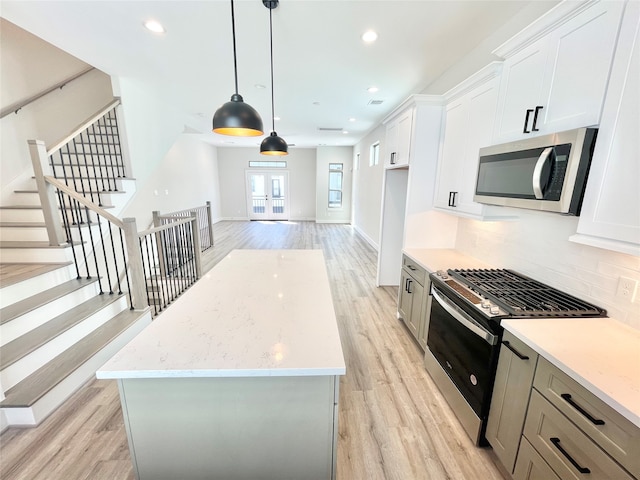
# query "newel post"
(210, 223)
(196, 243)
(138, 282)
(39, 160)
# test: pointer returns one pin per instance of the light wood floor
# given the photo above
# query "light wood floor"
(393, 423)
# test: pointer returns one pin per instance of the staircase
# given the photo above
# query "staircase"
(58, 324)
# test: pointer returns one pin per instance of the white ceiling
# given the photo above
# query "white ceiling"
(322, 67)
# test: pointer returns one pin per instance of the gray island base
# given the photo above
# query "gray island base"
(239, 378)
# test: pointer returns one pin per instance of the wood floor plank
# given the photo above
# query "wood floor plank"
(393, 421)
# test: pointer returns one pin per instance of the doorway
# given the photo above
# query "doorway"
(268, 195)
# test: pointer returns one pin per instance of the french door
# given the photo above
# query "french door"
(268, 195)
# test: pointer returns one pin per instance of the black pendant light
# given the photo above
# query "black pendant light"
(273, 144)
(236, 117)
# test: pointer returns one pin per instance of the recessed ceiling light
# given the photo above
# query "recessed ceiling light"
(316, 103)
(345, 132)
(372, 89)
(352, 119)
(154, 26)
(369, 36)
(259, 86)
(276, 118)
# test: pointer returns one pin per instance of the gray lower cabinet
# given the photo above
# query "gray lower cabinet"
(511, 391)
(545, 425)
(413, 299)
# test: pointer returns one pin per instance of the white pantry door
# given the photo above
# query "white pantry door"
(268, 195)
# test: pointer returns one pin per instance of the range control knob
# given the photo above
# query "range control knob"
(485, 304)
(494, 310)
(442, 274)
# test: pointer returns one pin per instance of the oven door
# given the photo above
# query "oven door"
(465, 349)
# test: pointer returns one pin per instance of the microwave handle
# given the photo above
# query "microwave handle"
(488, 337)
(544, 158)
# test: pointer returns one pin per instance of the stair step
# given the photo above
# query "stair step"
(39, 383)
(11, 312)
(86, 192)
(23, 224)
(27, 343)
(38, 207)
(42, 244)
(12, 273)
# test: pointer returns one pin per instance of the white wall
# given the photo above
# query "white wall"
(325, 156)
(537, 245)
(28, 66)
(186, 177)
(233, 164)
(367, 184)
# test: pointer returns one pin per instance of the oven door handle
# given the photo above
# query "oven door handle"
(468, 323)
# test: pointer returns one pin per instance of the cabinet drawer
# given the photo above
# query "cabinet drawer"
(611, 431)
(417, 272)
(567, 450)
(531, 466)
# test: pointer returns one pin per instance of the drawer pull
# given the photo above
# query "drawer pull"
(556, 443)
(515, 352)
(568, 399)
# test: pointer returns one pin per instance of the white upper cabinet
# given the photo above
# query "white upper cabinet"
(468, 126)
(398, 139)
(610, 216)
(556, 70)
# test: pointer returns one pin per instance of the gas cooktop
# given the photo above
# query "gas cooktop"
(501, 293)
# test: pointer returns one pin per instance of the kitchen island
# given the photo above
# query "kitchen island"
(239, 377)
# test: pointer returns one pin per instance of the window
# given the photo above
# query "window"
(374, 154)
(335, 185)
(267, 164)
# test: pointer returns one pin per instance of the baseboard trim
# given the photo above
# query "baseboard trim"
(366, 238)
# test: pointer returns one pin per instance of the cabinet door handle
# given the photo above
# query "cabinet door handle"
(556, 443)
(567, 398)
(409, 286)
(411, 267)
(515, 352)
(406, 285)
(535, 117)
(393, 158)
(526, 122)
(452, 199)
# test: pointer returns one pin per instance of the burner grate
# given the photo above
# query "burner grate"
(520, 295)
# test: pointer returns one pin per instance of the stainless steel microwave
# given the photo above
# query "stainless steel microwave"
(544, 173)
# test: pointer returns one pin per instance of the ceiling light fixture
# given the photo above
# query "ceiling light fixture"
(235, 117)
(273, 144)
(154, 26)
(369, 36)
(372, 89)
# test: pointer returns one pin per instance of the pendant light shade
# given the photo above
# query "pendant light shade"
(273, 144)
(235, 117)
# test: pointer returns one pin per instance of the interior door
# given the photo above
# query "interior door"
(268, 195)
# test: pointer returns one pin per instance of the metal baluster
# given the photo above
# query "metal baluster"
(170, 277)
(86, 168)
(155, 307)
(67, 229)
(109, 133)
(79, 173)
(113, 116)
(66, 180)
(115, 259)
(93, 163)
(126, 271)
(84, 250)
(95, 256)
(163, 280)
(104, 250)
(156, 291)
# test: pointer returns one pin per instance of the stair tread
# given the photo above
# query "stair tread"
(32, 244)
(30, 341)
(12, 273)
(107, 192)
(29, 304)
(38, 207)
(36, 385)
(23, 224)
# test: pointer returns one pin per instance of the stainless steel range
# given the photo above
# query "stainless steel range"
(465, 333)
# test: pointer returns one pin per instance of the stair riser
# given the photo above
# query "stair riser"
(21, 215)
(19, 291)
(26, 198)
(90, 183)
(24, 367)
(54, 398)
(36, 255)
(30, 320)
(26, 234)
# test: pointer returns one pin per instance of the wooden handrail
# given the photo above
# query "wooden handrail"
(166, 226)
(84, 201)
(19, 105)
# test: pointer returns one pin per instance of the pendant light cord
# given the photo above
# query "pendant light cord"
(235, 61)
(273, 113)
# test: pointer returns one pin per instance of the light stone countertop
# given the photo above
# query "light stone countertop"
(602, 354)
(257, 313)
(434, 259)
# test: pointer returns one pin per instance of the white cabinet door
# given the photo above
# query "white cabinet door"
(558, 82)
(579, 68)
(610, 216)
(468, 126)
(521, 87)
(398, 140)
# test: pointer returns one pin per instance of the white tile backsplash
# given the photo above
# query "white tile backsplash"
(537, 245)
